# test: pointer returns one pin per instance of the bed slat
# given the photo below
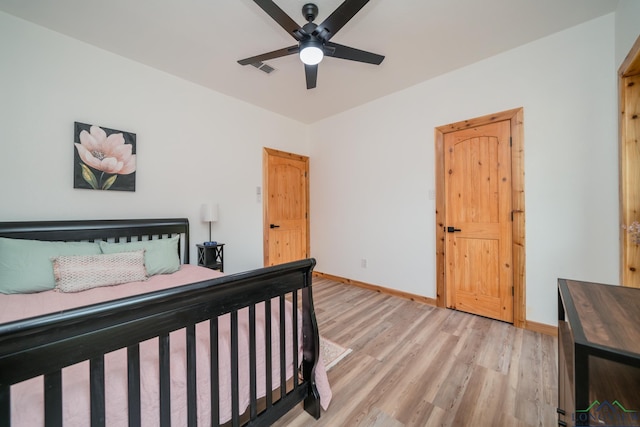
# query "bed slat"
(5, 405)
(294, 324)
(213, 373)
(268, 364)
(253, 402)
(53, 399)
(96, 375)
(235, 392)
(192, 398)
(133, 379)
(283, 349)
(165, 380)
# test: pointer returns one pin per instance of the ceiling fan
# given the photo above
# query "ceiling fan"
(313, 40)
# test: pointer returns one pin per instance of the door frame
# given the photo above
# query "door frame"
(629, 162)
(266, 153)
(515, 117)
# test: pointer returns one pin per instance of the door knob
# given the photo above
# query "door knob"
(274, 226)
(452, 229)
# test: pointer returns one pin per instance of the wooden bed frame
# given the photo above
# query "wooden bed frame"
(43, 345)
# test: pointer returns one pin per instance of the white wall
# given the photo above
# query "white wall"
(372, 168)
(193, 145)
(627, 27)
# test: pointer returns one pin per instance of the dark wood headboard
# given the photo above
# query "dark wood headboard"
(110, 229)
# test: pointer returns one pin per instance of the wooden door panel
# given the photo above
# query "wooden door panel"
(285, 245)
(481, 305)
(286, 191)
(475, 262)
(477, 276)
(478, 204)
(476, 197)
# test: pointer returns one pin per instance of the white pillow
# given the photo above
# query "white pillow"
(79, 273)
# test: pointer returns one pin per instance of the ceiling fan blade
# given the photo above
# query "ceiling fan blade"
(338, 18)
(284, 20)
(270, 55)
(311, 73)
(345, 52)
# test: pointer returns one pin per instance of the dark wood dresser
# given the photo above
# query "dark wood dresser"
(598, 354)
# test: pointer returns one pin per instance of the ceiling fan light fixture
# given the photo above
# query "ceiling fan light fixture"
(311, 52)
(313, 39)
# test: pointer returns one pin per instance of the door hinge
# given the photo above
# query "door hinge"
(515, 211)
(510, 141)
(513, 292)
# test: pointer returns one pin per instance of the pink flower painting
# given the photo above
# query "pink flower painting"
(105, 158)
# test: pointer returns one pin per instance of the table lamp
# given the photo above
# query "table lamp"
(209, 213)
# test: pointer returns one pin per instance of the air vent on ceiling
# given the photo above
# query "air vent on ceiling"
(263, 67)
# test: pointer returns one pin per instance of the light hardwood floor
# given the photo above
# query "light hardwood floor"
(417, 365)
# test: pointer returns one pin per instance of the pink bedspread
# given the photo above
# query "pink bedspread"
(27, 397)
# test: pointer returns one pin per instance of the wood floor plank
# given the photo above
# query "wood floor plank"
(417, 365)
(377, 418)
(498, 355)
(439, 366)
(470, 407)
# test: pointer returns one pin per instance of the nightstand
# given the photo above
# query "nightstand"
(211, 256)
(598, 354)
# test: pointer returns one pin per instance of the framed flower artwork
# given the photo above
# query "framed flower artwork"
(104, 159)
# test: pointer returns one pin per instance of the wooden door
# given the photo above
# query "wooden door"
(478, 233)
(285, 206)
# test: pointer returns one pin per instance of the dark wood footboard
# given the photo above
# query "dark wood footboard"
(44, 345)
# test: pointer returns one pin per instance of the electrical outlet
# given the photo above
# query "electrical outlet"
(363, 263)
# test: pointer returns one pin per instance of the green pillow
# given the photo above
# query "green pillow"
(25, 265)
(160, 257)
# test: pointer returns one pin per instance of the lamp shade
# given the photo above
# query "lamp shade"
(209, 212)
(311, 52)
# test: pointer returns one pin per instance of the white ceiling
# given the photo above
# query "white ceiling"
(201, 40)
